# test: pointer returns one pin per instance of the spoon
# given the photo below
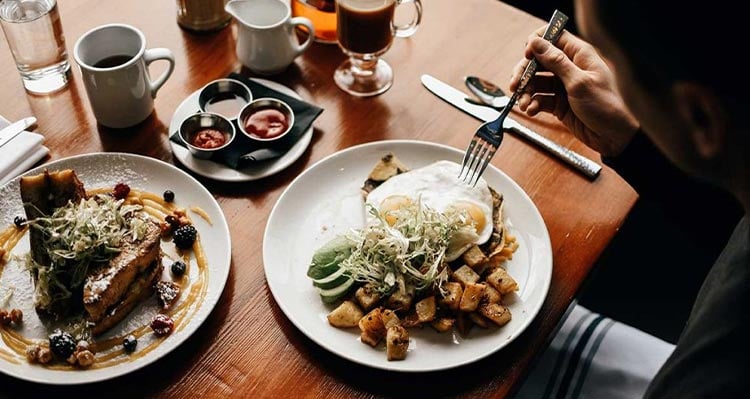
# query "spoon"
(488, 93)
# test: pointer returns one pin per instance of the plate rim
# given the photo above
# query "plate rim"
(189, 330)
(306, 138)
(534, 311)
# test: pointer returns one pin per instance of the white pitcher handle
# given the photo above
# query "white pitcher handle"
(152, 55)
(310, 30)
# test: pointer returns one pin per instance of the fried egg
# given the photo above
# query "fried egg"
(438, 187)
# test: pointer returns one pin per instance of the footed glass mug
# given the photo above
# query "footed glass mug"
(365, 31)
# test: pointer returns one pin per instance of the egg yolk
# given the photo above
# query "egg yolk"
(391, 204)
(474, 214)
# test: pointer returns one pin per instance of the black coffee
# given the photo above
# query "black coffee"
(113, 61)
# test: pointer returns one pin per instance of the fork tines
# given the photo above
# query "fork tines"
(478, 155)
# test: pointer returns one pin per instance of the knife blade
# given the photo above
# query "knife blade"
(457, 98)
(14, 129)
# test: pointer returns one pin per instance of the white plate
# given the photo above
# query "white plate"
(325, 201)
(222, 172)
(105, 170)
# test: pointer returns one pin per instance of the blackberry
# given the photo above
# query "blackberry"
(19, 221)
(62, 344)
(168, 196)
(184, 236)
(179, 268)
(129, 343)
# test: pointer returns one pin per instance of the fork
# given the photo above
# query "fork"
(488, 137)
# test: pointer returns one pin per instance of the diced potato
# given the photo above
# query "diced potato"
(372, 327)
(387, 167)
(345, 315)
(463, 324)
(471, 297)
(475, 259)
(495, 261)
(478, 320)
(502, 281)
(491, 295)
(367, 297)
(402, 297)
(411, 320)
(390, 318)
(426, 309)
(443, 324)
(465, 275)
(397, 343)
(453, 296)
(496, 312)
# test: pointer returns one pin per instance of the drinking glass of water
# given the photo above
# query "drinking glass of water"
(35, 37)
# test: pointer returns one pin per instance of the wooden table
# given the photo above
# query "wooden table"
(247, 347)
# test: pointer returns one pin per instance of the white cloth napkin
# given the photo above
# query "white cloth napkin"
(20, 154)
(595, 357)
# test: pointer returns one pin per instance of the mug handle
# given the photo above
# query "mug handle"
(409, 29)
(310, 30)
(152, 55)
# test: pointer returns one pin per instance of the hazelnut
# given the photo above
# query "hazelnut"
(36, 353)
(166, 229)
(4, 318)
(32, 353)
(83, 345)
(16, 316)
(85, 358)
(44, 356)
(72, 359)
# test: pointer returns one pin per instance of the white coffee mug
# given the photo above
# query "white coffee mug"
(114, 64)
(266, 38)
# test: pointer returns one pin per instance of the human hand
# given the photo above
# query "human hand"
(579, 89)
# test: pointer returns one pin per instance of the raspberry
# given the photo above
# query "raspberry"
(162, 325)
(121, 191)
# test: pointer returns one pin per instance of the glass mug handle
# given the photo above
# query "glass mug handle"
(409, 29)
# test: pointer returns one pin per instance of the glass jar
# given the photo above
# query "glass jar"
(202, 15)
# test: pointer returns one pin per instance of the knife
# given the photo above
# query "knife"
(14, 129)
(457, 98)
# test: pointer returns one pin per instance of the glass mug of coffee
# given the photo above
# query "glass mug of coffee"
(365, 31)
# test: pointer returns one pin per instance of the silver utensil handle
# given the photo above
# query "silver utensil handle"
(589, 168)
(551, 34)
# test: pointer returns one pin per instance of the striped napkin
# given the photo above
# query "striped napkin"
(20, 154)
(595, 357)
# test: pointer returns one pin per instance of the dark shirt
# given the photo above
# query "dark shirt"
(712, 356)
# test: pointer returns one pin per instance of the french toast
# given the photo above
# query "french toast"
(140, 289)
(110, 289)
(41, 194)
(108, 284)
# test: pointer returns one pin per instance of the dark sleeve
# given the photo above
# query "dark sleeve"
(693, 205)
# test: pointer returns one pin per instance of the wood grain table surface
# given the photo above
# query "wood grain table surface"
(247, 347)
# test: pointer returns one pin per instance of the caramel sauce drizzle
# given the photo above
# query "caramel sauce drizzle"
(109, 352)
